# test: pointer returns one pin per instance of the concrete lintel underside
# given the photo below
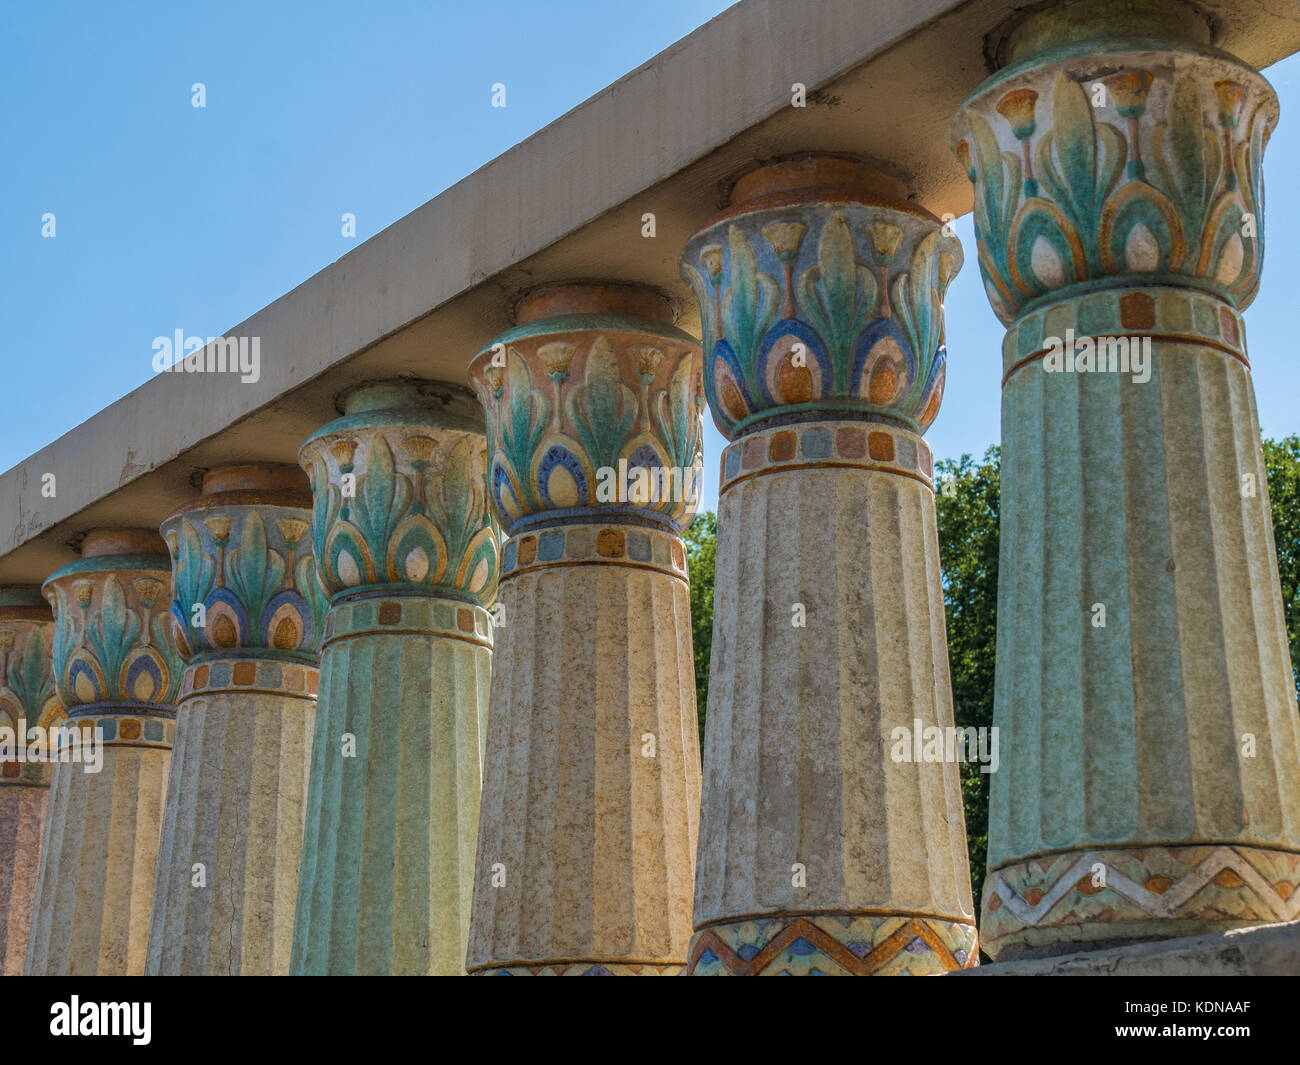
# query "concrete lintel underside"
(419, 298)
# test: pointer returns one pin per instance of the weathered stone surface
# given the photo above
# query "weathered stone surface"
(407, 549)
(27, 701)
(587, 842)
(227, 876)
(117, 674)
(1151, 766)
(1264, 950)
(821, 291)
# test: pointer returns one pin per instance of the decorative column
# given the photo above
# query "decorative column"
(407, 551)
(246, 614)
(1150, 777)
(586, 848)
(821, 290)
(116, 672)
(29, 708)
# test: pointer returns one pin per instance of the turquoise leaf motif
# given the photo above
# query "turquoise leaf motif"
(327, 501)
(602, 408)
(162, 642)
(997, 194)
(675, 416)
(195, 570)
(1080, 162)
(916, 304)
(307, 581)
(524, 425)
(704, 297)
(1250, 183)
(30, 676)
(749, 307)
(383, 496)
(1187, 157)
(65, 642)
(457, 501)
(113, 632)
(253, 571)
(837, 294)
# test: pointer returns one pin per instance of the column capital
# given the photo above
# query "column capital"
(111, 642)
(26, 679)
(242, 553)
(1116, 161)
(398, 498)
(593, 402)
(821, 294)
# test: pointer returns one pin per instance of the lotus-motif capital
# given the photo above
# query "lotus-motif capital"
(617, 433)
(1156, 180)
(821, 303)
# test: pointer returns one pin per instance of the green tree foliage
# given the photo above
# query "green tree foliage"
(701, 549)
(1282, 468)
(967, 510)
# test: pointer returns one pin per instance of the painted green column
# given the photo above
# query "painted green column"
(117, 674)
(407, 551)
(591, 781)
(821, 292)
(1150, 778)
(28, 702)
(247, 613)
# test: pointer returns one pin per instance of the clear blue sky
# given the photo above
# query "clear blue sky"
(174, 217)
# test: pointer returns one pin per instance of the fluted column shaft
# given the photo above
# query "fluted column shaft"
(117, 674)
(29, 709)
(591, 776)
(820, 852)
(1150, 780)
(247, 614)
(407, 550)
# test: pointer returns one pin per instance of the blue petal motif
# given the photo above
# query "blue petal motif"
(882, 327)
(811, 341)
(557, 456)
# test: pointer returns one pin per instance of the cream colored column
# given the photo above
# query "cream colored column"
(591, 776)
(826, 847)
(29, 708)
(117, 674)
(247, 615)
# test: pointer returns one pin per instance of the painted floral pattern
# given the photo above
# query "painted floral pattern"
(111, 639)
(252, 573)
(26, 674)
(565, 406)
(822, 307)
(1150, 170)
(398, 505)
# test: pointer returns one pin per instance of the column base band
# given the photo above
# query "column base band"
(833, 944)
(1059, 902)
(585, 968)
